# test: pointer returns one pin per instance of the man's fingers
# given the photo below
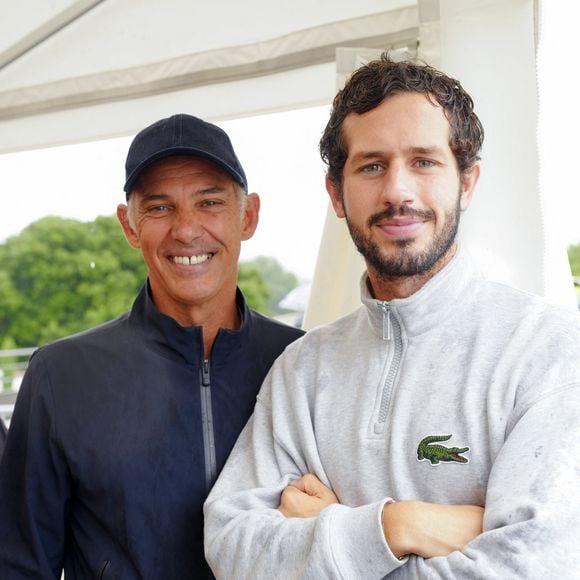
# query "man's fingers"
(298, 484)
(305, 497)
(291, 492)
(308, 483)
(311, 485)
(294, 503)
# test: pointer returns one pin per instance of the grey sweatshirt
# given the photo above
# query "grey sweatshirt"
(374, 403)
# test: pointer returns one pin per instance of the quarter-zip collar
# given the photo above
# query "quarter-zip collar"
(436, 301)
(175, 341)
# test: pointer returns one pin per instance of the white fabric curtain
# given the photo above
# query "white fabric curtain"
(490, 46)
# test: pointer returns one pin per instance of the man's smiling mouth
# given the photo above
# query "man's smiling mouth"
(191, 260)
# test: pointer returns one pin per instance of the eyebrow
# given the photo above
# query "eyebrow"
(368, 155)
(428, 150)
(145, 197)
(210, 190)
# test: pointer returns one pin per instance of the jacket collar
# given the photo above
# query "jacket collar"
(436, 301)
(186, 342)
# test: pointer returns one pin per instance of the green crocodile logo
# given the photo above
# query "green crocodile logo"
(437, 453)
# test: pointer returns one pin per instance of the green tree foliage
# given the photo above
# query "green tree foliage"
(60, 276)
(574, 258)
(279, 280)
(255, 289)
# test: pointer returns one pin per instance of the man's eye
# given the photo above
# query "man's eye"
(372, 168)
(425, 163)
(158, 208)
(210, 202)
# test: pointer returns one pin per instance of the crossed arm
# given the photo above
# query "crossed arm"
(259, 516)
(410, 527)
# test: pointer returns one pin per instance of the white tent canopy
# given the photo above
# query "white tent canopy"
(119, 64)
(81, 70)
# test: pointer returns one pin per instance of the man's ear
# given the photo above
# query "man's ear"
(130, 233)
(335, 198)
(251, 216)
(469, 180)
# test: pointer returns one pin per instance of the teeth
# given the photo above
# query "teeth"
(189, 260)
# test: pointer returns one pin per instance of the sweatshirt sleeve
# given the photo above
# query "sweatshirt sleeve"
(34, 486)
(532, 508)
(247, 537)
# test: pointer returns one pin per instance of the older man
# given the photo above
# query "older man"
(445, 392)
(119, 432)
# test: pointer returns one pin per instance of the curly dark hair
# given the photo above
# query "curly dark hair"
(371, 84)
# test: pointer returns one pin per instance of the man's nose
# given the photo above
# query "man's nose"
(398, 186)
(187, 226)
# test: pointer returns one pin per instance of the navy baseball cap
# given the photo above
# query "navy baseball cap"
(181, 135)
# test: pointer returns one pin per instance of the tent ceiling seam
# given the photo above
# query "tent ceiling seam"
(47, 30)
(316, 46)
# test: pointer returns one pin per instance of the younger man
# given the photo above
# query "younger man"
(443, 389)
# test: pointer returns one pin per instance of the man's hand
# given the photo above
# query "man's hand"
(306, 498)
(430, 529)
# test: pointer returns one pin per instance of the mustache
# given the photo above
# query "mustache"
(400, 211)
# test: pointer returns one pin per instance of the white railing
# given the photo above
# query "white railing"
(13, 364)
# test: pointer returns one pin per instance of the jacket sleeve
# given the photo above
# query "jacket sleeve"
(247, 537)
(532, 508)
(34, 485)
(2, 436)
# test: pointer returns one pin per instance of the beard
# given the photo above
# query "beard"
(406, 261)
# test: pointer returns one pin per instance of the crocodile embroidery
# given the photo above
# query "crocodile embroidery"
(437, 453)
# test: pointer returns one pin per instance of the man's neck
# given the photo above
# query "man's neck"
(210, 331)
(211, 317)
(387, 288)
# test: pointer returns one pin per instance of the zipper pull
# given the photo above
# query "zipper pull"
(205, 373)
(387, 325)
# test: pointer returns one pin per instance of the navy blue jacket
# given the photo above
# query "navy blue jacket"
(2, 436)
(116, 437)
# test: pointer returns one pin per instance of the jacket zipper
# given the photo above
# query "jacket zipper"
(392, 334)
(387, 324)
(207, 424)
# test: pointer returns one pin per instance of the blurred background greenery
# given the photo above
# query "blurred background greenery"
(60, 276)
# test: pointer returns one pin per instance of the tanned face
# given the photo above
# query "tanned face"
(189, 218)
